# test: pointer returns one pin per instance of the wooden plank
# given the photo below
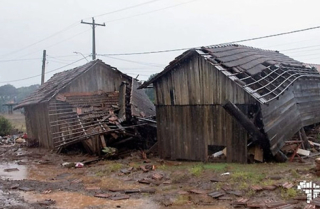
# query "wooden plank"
(103, 141)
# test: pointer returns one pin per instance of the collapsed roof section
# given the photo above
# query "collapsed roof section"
(264, 74)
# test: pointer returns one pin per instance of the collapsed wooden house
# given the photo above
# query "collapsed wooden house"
(229, 96)
(94, 104)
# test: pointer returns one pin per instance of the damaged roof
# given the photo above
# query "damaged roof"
(59, 81)
(141, 105)
(264, 74)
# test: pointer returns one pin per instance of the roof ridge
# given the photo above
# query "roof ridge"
(235, 44)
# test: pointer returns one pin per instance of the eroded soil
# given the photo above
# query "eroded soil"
(35, 178)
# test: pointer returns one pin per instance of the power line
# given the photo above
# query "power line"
(75, 24)
(28, 46)
(141, 63)
(55, 44)
(124, 9)
(232, 42)
(22, 79)
(17, 60)
(157, 10)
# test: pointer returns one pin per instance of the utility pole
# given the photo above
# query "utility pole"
(43, 66)
(93, 36)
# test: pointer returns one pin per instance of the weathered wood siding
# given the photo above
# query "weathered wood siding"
(299, 106)
(37, 124)
(190, 116)
(101, 77)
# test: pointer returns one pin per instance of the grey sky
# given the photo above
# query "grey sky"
(195, 23)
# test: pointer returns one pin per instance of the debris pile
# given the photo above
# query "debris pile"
(101, 120)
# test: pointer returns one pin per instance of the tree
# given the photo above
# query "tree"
(5, 126)
(8, 90)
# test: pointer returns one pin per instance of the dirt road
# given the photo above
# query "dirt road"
(35, 178)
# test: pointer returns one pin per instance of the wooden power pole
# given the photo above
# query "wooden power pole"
(43, 66)
(93, 36)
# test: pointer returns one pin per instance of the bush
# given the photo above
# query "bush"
(5, 126)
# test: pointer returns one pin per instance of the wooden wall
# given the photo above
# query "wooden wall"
(37, 123)
(299, 106)
(101, 77)
(190, 116)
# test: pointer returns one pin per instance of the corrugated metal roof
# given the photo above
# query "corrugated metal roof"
(264, 74)
(57, 82)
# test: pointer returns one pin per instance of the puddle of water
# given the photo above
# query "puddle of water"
(13, 175)
(72, 200)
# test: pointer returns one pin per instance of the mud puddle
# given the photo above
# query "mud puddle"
(13, 171)
(75, 200)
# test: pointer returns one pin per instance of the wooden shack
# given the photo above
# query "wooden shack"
(276, 94)
(79, 105)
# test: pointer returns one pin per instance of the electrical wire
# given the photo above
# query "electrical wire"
(22, 79)
(28, 46)
(141, 63)
(17, 60)
(232, 42)
(152, 11)
(124, 9)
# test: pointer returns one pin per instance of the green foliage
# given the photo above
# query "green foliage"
(9, 93)
(8, 90)
(288, 193)
(250, 177)
(196, 170)
(5, 126)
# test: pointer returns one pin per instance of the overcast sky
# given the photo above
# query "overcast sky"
(29, 27)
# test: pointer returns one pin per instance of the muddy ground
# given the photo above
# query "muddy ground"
(37, 179)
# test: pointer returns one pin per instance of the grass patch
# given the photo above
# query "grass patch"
(181, 200)
(288, 193)
(196, 170)
(295, 174)
(248, 177)
(115, 167)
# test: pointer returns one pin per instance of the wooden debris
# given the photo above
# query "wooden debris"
(216, 194)
(103, 195)
(255, 204)
(234, 192)
(303, 152)
(157, 176)
(256, 188)
(10, 169)
(93, 188)
(144, 190)
(287, 185)
(216, 180)
(167, 182)
(145, 181)
(120, 197)
(240, 202)
(288, 206)
(26, 189)
(47, 202)
(14, 186)
(275, 204)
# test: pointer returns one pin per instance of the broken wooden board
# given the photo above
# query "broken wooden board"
(303, 152)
